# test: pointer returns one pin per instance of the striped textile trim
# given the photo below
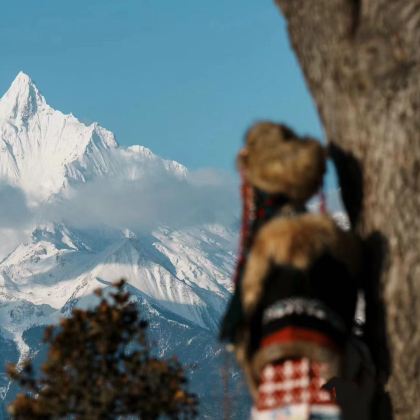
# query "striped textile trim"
(290, 334)
(303, 306)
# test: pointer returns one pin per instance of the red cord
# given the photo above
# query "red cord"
(246, 192)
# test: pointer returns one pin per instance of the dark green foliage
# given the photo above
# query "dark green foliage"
(99, 366)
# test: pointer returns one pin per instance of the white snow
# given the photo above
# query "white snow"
(46, 154)
(43, 151)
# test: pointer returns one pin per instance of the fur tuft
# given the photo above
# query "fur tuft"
(296, 242)
(276, 160)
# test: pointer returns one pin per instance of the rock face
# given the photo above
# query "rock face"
(180, 277)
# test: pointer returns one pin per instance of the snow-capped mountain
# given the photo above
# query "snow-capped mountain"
(44, 151)
(181, 277)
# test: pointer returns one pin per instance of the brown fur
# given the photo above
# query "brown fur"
(296, 241)
(276, 160)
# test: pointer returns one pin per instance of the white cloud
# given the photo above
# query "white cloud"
(15, 218)
(205, 196)
(10, 239)
(14, 210)
(158, 198)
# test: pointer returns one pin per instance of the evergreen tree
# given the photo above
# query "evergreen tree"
(100, 366)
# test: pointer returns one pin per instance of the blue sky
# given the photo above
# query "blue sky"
(185, 78)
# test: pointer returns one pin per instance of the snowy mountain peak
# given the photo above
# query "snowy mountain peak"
(22, 100)
(71, 173)
(43, 151)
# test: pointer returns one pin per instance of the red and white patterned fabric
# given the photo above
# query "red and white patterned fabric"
(292, 389)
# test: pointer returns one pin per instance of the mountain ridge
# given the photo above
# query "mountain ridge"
(179, 275)
(44, 151)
